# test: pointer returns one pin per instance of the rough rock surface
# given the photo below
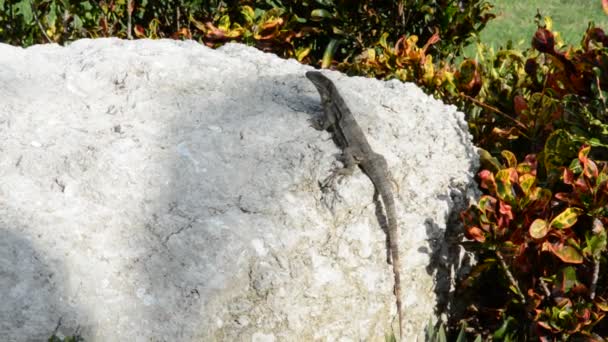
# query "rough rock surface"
(164, 191)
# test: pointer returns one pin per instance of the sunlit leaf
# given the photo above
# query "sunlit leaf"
(566, 253)
(487, 180)
(487, 203)
(475, 233)
(601, 303)
(504, 184)
(526, 182)
(302, 53)
(566, 218)
(320, 14)
(539, 228)
(328, 55)
(509, 158)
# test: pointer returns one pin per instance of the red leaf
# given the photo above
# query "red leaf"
(487, 180)
(590, 169)
(140, 32)
(519, 104)
(131, 6)
(544, 41)
(505, 209)
(568, 176)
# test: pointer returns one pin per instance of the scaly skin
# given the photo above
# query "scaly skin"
(357, 151)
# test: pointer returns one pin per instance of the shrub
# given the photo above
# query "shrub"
(306, 30)
(542, 249)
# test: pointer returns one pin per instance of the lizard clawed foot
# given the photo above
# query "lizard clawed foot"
(329, 183)
(317, 123)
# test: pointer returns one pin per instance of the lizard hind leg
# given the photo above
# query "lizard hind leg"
(349, 162)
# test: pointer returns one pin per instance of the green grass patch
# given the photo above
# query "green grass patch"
(515, 21)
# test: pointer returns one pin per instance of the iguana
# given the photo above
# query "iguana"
(356, 150)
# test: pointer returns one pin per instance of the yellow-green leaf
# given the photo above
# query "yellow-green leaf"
(328, 54)
(510, 158)
(320, 14)
(382, 41)
(567, 254)
(566, 219)
(301, 53)
(539, 228)
(602, 305)
(248, 14)
(526, 182)
(504, 186)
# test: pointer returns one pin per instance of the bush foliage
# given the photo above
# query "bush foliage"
(306, 30)
(539, 229)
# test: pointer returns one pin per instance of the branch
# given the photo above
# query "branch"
(510, 276)
(495, 110)
(39, 23)
(129, 20)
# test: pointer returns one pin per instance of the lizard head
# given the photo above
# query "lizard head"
(323, 84)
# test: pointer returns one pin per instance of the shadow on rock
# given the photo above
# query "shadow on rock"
(34, 304)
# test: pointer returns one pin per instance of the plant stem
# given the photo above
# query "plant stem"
(510, 276)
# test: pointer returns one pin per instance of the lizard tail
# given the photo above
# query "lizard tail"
(393, 235)
(396, 264)
(396, 272)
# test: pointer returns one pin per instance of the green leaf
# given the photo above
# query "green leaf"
(504, 328)
(568, 278)
(488, 161)
(539, 228)
(596, 239)
(390, 338)
(566, 219)
(560, 148)
(462, 336)
(441, 336)
(487, 204)
(24, 7)
(383, 42)
(600, 182)
(328, 55)
(52, 14)
(320, 14)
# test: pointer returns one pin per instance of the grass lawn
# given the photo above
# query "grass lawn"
(515, 20)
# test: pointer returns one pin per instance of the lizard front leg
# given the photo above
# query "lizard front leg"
(350, 158)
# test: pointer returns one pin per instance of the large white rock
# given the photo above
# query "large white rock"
(164, 191)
